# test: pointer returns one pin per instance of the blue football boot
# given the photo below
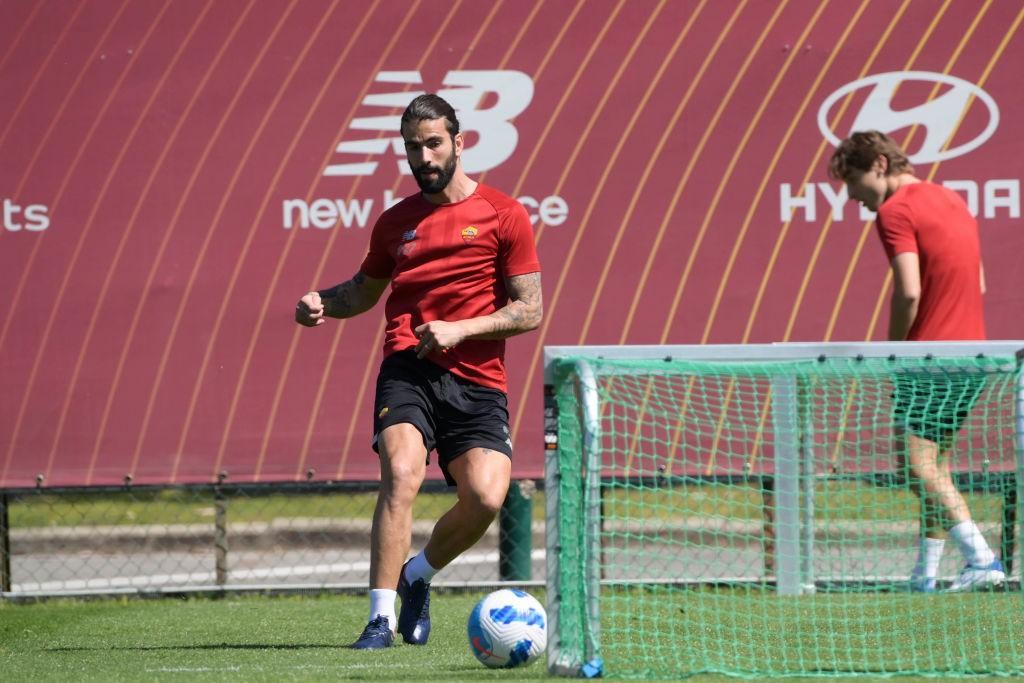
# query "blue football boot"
(376, 635)
(414, 617)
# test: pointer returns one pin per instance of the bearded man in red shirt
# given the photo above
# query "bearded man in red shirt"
(931, 240)
(464, 276)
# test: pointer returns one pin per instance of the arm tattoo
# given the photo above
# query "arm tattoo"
(524, 310)
(345, 300)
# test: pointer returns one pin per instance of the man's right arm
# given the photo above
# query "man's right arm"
(906, 294)
(350, 298)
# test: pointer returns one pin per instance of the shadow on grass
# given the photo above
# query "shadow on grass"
(221, 646)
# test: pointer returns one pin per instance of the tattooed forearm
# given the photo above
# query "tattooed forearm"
(525, 308)
(352, 297)
(516, 317)
(338, 304)
(523, 312)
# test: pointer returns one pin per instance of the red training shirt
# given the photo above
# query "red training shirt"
(449, 262)
(934, 222)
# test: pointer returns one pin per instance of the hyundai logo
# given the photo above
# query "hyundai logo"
(939, 117)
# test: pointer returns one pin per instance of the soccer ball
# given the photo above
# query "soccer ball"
(507, 628)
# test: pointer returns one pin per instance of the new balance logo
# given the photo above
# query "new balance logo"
(466, 91)
(374, 140)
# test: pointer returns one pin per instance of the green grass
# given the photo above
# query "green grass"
(848, 500)
(657, 631)
(244, 639)
(834, 500)
(760, 633)
(178, 506)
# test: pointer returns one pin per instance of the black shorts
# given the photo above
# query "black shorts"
(452, 414)
(935, 405)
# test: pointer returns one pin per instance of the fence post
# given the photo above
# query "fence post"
(515, 535)
(768, 526)
(1009, 523)
(5, 546)
(220, 535)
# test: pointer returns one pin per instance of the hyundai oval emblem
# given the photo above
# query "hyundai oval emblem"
(939, 117)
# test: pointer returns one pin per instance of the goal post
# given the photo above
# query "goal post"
(742, 509)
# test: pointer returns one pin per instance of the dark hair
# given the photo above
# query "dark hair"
(859, 151)
(428, 108)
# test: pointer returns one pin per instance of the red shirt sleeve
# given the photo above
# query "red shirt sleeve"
(378, 262)
(896, 228)
(517, 252)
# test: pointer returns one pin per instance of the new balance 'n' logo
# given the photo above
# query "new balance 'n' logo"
(465, 91)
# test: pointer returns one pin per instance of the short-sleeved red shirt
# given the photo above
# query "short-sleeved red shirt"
(934, 222)
(449, 262)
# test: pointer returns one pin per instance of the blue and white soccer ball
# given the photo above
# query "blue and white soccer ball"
(508, 628)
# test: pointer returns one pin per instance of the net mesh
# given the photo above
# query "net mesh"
(755, 519)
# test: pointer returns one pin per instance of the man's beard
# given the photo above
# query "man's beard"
(440, 181)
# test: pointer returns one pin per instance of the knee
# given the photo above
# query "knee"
(486, 504)
(401, 481)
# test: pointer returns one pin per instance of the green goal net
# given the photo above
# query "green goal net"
(748, 510)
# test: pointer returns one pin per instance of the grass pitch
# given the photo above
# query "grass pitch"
(236, 638)
(754, 633)
(259, 638)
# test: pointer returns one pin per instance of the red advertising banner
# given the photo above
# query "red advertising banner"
(176, 174)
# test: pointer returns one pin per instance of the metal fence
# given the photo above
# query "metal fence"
(160, 539)
(315, 536)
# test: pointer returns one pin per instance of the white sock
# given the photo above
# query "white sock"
(382, 603)
(418, 568)
(928, 557)
(972, 544)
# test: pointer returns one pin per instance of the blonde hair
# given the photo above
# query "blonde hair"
(859, 151)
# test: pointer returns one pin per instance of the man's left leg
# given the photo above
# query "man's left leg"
(482, 478)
